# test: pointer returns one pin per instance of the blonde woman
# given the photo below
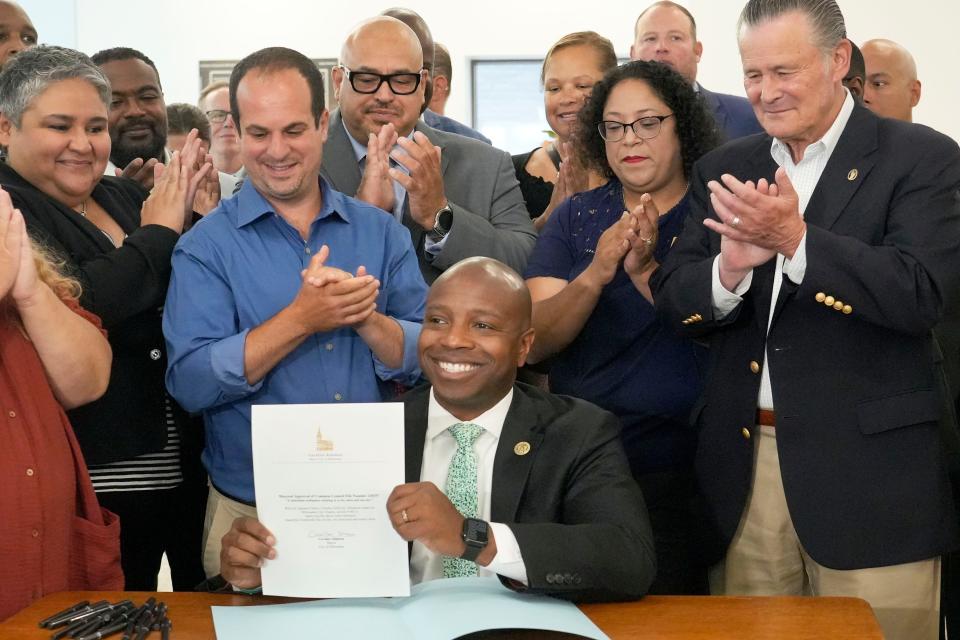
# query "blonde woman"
(53, 355)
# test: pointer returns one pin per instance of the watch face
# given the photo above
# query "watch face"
(475, 531)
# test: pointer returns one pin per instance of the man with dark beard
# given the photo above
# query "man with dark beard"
(138, 114)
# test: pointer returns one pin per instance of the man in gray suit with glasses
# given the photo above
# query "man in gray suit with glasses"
(458, 197)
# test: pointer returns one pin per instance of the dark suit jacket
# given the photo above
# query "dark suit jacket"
(733, 114)
(126, 288)
(856, 397)
(576, 512)
(489, 216)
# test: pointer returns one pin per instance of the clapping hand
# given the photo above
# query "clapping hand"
(331, 298)
(611, 249)
(756, 222)
(573, 177)
(376, 186)
(17, 269)
(175, 187)
(424, 184)
(639, 260)
(139, 171)
(208, 190)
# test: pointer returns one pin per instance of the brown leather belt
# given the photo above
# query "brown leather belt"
(766, 417)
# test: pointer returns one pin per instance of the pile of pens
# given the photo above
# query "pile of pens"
(86, 621)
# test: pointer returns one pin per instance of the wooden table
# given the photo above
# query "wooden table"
(653, 618)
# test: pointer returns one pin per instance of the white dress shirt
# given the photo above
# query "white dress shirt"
(439, 447)
(804, 176)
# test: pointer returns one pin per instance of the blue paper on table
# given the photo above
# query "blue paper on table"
(436, 610)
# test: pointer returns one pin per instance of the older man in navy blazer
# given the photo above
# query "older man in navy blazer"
(816, 260)
(666, 32)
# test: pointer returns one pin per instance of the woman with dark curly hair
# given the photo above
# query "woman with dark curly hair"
(643, 127)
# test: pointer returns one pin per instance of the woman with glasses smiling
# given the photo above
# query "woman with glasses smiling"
(643, 127)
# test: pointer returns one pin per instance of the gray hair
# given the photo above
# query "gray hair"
(824, 15)
(31, 72)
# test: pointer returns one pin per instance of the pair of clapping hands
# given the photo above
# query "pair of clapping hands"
(188, 183)
(417, 510)
(756, 221)
(18, 271)
(630, 241)
(424, 184)
(332, 298)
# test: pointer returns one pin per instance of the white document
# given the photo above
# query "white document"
(322, 475)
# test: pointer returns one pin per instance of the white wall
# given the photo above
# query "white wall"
(231, 29)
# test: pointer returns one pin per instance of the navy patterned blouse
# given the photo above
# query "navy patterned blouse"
(625, 359)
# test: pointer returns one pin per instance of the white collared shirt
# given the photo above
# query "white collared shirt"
(804, 176)
(439, 447)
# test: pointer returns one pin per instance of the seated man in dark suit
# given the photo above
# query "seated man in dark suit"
(548, 503)
(666, 32)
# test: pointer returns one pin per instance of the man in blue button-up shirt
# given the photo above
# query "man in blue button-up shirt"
(289, 292)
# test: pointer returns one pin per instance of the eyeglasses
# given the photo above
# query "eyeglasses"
(216, 116)
(402, 84)
(644, 128)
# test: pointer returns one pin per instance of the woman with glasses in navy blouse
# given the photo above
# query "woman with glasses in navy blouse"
(643, 127)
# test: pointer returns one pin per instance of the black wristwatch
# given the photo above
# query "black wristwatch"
(442, 223)
(475, 535)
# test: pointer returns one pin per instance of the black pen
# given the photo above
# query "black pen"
(69, 629)
(165, 629)
(50, 619)
(132, 622)
(106, 618)
(101, 610)
(89, 627)
(106, 631)
(70, 616)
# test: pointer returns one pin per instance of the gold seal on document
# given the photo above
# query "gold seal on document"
(521, 448)
(852, 175)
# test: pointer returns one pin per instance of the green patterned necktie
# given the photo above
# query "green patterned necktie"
(462, 489)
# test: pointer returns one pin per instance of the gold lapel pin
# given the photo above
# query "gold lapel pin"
(852, 175)
(521, 448)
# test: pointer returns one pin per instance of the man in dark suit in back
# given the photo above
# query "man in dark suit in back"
(816, 260)
(458, 197)
(666, 32)
(552, 508)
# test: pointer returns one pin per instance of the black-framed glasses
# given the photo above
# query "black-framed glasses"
(216, 116)
(402, 84)
(644, 128)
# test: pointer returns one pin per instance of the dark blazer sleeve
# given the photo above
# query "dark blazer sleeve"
(490, 217)
(582, 525)
(682, 285)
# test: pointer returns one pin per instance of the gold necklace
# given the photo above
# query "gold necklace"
(83, 209)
